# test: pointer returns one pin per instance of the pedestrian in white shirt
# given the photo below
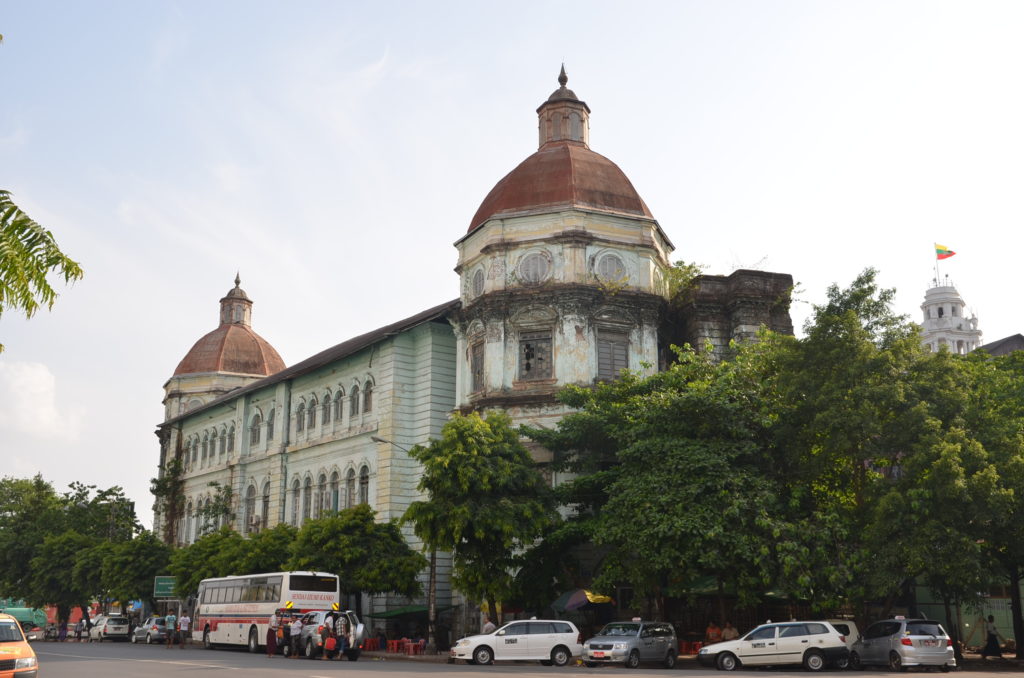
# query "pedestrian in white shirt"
(183, 624)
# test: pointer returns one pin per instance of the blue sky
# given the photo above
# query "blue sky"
(332, 152)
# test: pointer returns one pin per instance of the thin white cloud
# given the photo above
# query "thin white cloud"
(28, 403)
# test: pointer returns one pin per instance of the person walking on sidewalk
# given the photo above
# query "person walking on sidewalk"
(171, 627)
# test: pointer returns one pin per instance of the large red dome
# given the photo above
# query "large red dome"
(561, 174)
(231, 348)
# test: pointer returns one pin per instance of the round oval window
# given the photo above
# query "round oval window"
(478, 283)
(534, 268)
(610, 268)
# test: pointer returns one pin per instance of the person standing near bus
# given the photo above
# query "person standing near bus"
(171, 627)
(183, 625)
(272, 635)
(296, 629)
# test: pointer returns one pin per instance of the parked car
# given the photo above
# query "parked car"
(32, 631)
(848, 630)
(109, 628)
(631, 643)
(312, 624)
(899, 643)
(153, 630)
(19, 659)
(549, 641)
(814, 644)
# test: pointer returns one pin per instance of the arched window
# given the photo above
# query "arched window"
(231, 439)
(311, 415)
(188, 454)
(350, 488)
(223, 441)
(325, 415)
(206, 444)
(295, 502)
(307, 498)
(270, 426)
(265, 508)
(353, 403)
(254, 429)
(364, 485)
(195, 451)
(339, 398)
(335, 491)
(250, 524)
(300, 417)
(322, 497)
(367, 397)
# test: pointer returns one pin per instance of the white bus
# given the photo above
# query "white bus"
(236, 610)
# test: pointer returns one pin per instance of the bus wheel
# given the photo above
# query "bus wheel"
(206, 639)
(254, 641)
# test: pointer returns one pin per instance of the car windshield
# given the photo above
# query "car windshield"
(9, 632)
(620, 629)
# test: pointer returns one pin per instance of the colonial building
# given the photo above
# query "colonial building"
(562, 281)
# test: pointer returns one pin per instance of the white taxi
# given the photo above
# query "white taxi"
(549, 641)
(814, 644)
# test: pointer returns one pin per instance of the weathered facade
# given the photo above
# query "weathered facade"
(562, 281)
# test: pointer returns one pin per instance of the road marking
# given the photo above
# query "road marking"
(151, 661)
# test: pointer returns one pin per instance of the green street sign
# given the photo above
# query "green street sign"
(163, 587)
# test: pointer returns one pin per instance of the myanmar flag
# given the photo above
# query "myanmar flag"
(943, 252)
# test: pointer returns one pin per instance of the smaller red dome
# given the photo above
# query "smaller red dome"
(561, 174)
(231, 348)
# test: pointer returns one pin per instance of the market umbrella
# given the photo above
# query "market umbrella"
(576, 599)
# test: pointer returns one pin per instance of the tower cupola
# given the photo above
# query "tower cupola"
(563, 117)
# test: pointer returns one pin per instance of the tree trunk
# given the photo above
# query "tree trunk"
(432, 605)
(721, 602)
(954, 629)
(1015, 609)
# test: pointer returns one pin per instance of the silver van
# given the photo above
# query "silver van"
(344, 623)
(632, 643)
(899, 643)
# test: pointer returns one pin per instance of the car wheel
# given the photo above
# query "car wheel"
(855, 662)
(670, 660)
(814, 660)
(254, 641)
(945, 668)
(206, 639)
(309, 650)
(483, 655)
(727, 662)
(132, 638)
(896, 662)
(843, 663)
(149, 639)
(560, 656)
(633, 660)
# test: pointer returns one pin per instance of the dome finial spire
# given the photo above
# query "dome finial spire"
(563, 79)
(238, 279)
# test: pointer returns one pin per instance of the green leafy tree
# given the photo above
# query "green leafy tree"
(54, 581)
(268, 550)
(29, 255)
(30, 510)
(217, 554)
(368, 556)
(485, 502)
(129, 569)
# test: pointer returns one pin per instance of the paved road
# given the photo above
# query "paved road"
(116, 660)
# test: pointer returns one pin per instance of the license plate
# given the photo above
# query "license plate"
(599, 654)
(931, 643)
